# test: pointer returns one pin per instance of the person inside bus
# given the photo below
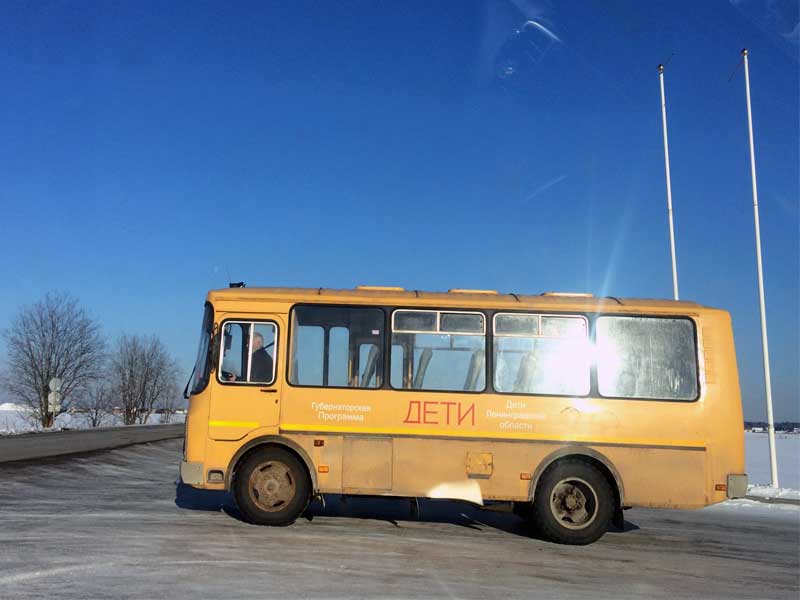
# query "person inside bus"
(261, 363)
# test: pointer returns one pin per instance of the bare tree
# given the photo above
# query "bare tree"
(144, 374)
(51, 338)
(170, 404)
(96, 403)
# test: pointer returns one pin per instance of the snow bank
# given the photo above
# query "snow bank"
(757, 505)
(787, 449)
(17, 420)
(765, 491)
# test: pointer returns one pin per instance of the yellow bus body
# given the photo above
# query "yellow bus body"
(471, 446)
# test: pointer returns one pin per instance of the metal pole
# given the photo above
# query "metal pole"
(669, 184)
(773, 462)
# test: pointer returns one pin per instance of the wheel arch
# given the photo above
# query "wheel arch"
(271, 440)
(589, 455)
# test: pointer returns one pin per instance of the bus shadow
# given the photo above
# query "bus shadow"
(190, 498)
(399, 510)
(627, 526)
(396, 511)
(391, 510)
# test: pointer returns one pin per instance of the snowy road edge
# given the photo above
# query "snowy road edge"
(33, 446)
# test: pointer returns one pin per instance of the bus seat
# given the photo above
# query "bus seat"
(424, 360)
(370, 368)
(527, 365)
(476, 363)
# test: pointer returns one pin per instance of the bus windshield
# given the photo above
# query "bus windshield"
(202, 364)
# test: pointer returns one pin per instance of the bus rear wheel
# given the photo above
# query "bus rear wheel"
(573, 503)
(272, 487)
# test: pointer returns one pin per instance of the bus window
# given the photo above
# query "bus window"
(248, 351)
(646, 358)
(541, 354)
(368, 360)
(438, 350)
(338, 357)
(308, 349)
(336, 346)
(233, 336)
(398, 367)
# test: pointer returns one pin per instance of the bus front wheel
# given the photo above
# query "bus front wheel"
(272, 487)
(573, 503)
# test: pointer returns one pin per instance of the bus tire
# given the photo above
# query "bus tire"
(271, 487)
(573, 503)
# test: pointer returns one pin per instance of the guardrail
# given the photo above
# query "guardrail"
(29, 446)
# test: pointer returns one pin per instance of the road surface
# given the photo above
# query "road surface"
(116, 525)
(30, 446)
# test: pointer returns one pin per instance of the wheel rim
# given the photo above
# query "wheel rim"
(272, 485)
(573, 503)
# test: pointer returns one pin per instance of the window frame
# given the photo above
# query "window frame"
(439, 312)
(487, 365)
(252, 322)
(381, 344)
(696, 347)
(589, 323)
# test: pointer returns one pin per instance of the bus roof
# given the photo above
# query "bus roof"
(385, 295)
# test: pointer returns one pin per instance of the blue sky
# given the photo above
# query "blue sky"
(148, 150)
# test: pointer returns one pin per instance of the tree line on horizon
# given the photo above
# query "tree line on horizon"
(56, 338)
(782, 426)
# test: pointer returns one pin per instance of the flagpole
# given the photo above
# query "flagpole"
(669, 184)
(773, 463)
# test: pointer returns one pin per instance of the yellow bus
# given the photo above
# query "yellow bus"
(569, 408)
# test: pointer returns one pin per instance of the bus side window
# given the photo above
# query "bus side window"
(651, 358)
(368, 361)
(398, 366)
(339, 373)
(438, 350)
(336, 346)
(541, 354)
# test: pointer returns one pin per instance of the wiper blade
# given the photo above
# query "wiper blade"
(186, 389)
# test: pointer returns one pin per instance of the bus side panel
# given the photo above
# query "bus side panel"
(645, 473)
(723, 402)
(197, 429)
(464, 469)
(661, 478)
(477, 471)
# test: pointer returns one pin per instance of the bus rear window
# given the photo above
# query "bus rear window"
(646, 358)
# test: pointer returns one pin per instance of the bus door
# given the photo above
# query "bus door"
(249, 391)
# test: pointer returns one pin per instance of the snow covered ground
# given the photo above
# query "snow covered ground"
(115, 524)
(14, 419)
(787, 450)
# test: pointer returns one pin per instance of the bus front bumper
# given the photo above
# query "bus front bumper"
(737, 486)
(192, 472)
